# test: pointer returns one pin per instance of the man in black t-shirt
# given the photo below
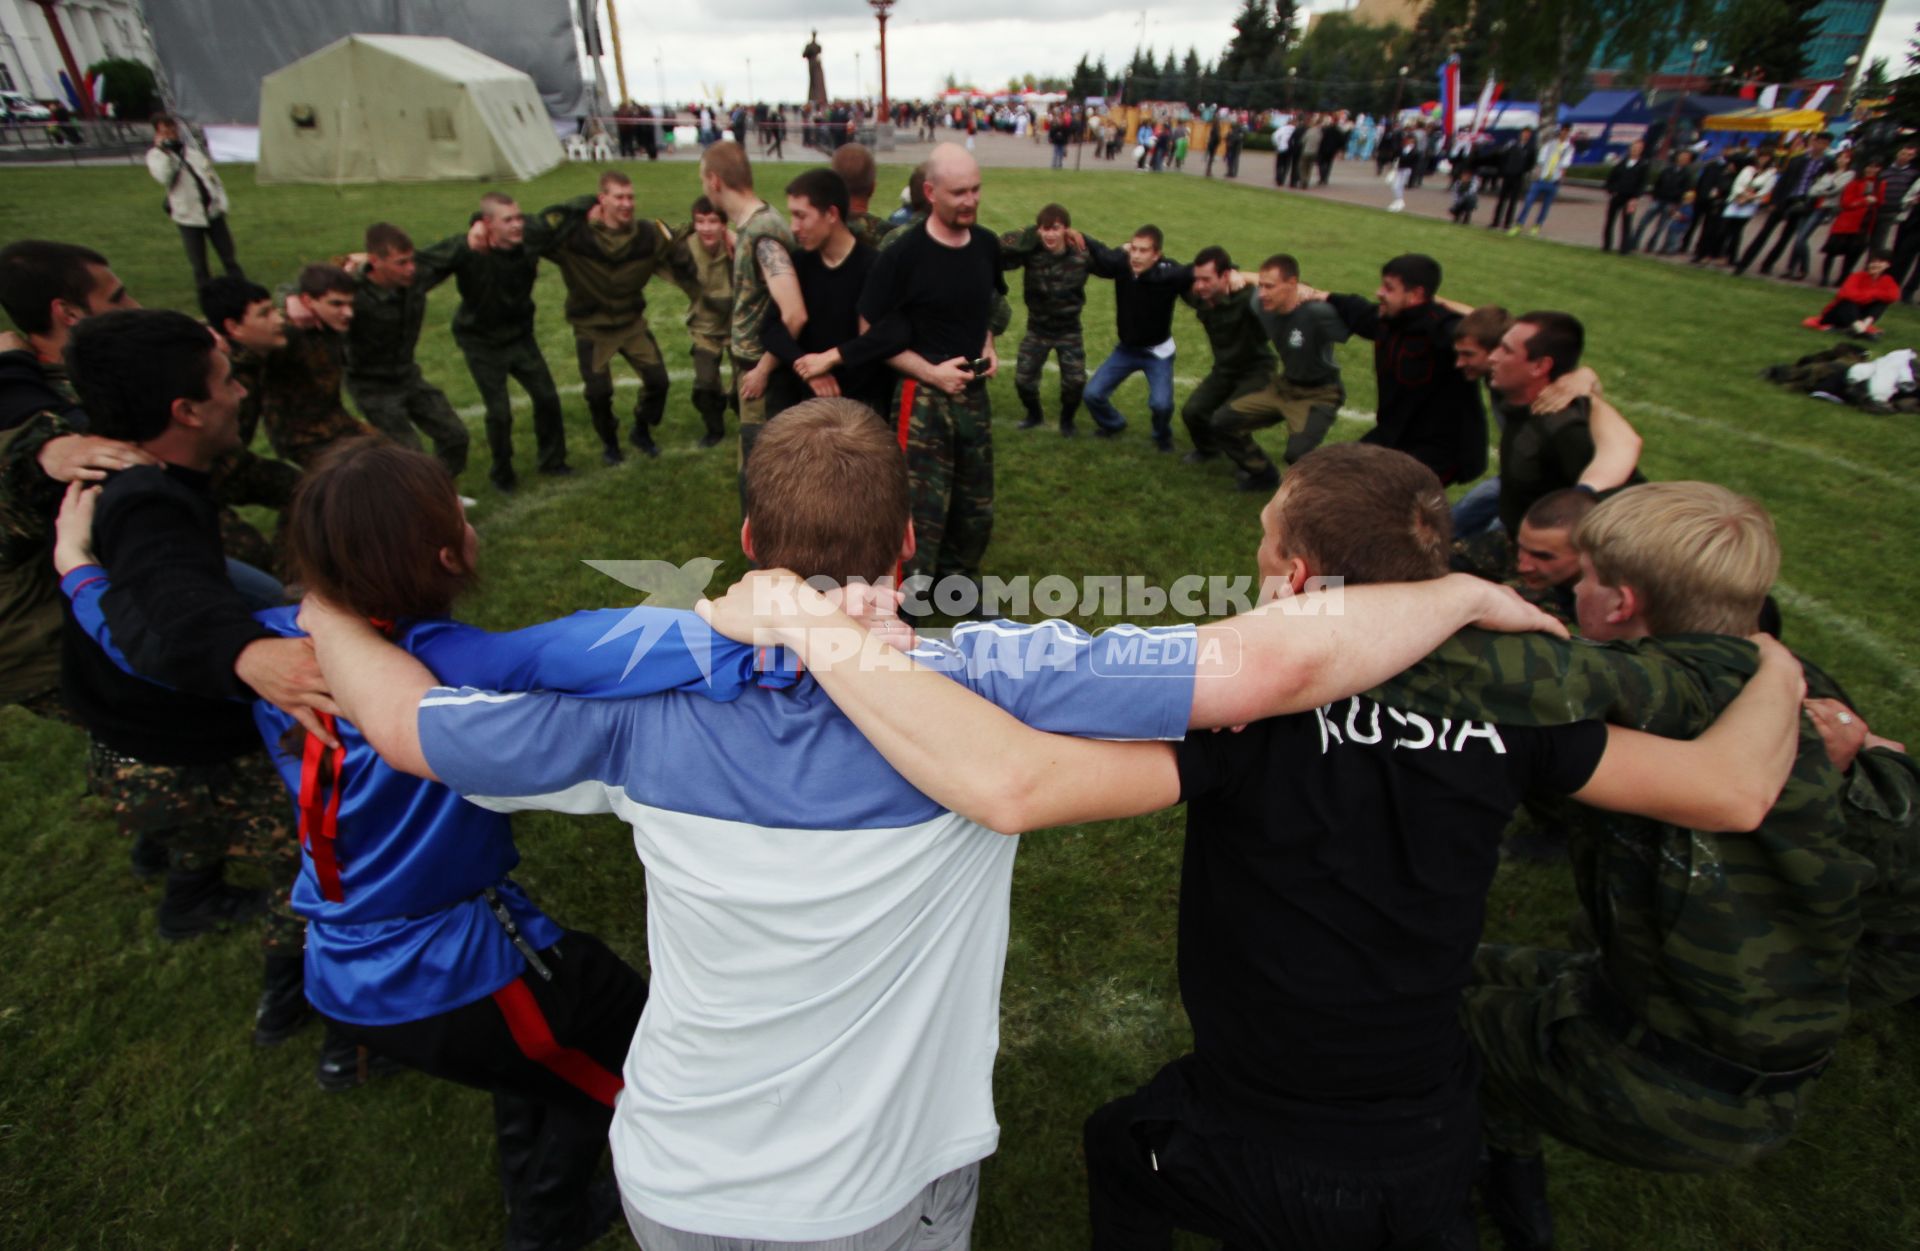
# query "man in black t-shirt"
(1328, 927)
(941, 276)
(829, 356)
(1539, 452)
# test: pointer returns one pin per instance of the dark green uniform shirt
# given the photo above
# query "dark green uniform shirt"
(1305, 339)
(386, 323)
(1238, 341)
(606, 271)
(496, 289)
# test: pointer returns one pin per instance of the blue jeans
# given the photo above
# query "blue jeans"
(1478, 510)
(1116, 369)
(1541, 193)
(1059, 156)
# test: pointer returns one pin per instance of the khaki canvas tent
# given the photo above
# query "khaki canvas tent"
(401, 108)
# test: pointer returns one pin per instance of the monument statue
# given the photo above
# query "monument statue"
(816, 77)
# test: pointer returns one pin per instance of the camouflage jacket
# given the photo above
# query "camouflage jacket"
(1056, 282)
(31, 607)
(1736, 943)
(707, 278)
(249, 369)
(751, 298)
(868, 227)
(300, 401)
(387, 320)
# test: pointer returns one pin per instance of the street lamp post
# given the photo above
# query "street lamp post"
(1673, 115)
(1293, 72)
(883, 125)
(1400, 85)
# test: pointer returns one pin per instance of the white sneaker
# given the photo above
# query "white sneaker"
(1396, 206)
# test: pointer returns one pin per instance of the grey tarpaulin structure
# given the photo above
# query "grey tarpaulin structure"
(401, 108)
(215, 52)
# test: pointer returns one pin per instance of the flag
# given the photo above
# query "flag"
(1768, 95)
(1488, 94)
(1449, 94)
(1819, 97)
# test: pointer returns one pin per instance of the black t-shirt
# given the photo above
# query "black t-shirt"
(946, 294)
(1333, 892)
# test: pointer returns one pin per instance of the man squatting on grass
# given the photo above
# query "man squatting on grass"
(883, 1103)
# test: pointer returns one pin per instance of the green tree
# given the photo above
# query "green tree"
(1255, 39)
(1767, 40)
(130, 87)
(1904, 108)
(1874, 81)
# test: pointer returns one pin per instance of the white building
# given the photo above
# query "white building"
(30, 59)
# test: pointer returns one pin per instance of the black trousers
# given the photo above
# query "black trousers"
(1787, 218)
(551, 1116)
(197, 237)
(1154, 1164)
(1513, 188)
(1618, 210)
(1845, 312)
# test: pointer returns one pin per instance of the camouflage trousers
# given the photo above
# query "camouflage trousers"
(206, 815)
(949, 445)
(397, 408)
(1550, 1063)
(1308, 411)
(1033, 358)
(492, 365)
(242, 478)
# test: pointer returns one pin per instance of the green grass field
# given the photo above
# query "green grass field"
(134, 1111)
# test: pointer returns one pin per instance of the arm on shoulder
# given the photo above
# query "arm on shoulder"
(1728, 778)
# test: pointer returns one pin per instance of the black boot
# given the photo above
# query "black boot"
(642, 436)
(1031, 401)
(284, 1010)
(198, 902)
(1269, 480)
(148, 859)
(345, 1065)
(1069, 405)
(600, 412)
(1513, 1189)
(712, 408)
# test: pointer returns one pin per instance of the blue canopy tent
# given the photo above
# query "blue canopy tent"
(1606, 122)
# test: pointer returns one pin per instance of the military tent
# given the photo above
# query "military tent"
(401, 108)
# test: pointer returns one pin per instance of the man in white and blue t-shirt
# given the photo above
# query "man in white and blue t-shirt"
(814, 1065)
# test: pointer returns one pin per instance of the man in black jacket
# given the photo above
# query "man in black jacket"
(1515, 165)
(1626, 183)
(1670, 189)
(177, 752)
(1145, 286)
(1792, 200)
(1428, 408)
(1710, 191)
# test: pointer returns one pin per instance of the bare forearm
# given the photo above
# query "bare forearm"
(378, 687)
(1306, 651)
(1751, 747)
(967, 754)
(1616, 448)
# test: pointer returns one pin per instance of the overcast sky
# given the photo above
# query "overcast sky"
(743, 48)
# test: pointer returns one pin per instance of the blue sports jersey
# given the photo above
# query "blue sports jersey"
(411, 936)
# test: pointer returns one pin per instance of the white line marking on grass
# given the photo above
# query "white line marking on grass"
(1867, 640)
(1830, 459)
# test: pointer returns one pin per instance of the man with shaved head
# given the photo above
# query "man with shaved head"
(942, 276)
